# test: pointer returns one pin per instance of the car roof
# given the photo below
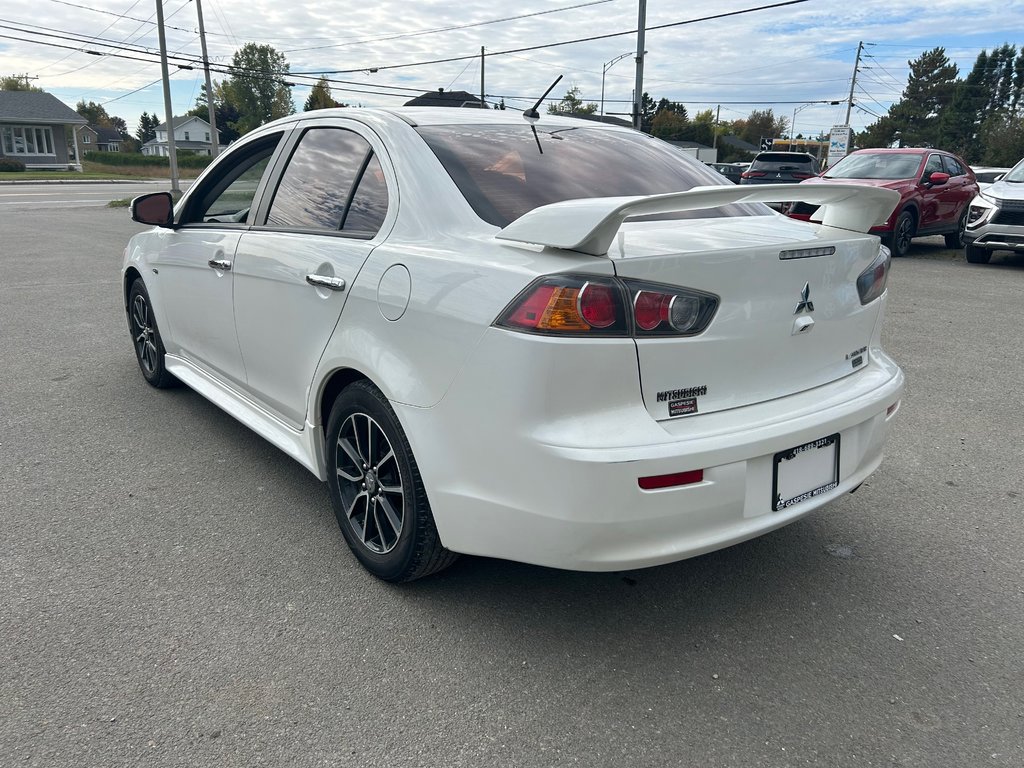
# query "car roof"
(423, 116)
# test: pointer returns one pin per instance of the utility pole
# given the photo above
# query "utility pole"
(853, 82)
(714, 135)
(639, 90)
(214, 134)
(171, 150)
(483, 104)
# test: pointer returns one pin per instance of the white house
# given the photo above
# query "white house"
(190, 133)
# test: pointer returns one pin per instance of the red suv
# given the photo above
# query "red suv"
(935, 189)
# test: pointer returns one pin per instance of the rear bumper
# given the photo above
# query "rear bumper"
(565, 493)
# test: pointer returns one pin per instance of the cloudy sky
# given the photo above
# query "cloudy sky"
(784, 58)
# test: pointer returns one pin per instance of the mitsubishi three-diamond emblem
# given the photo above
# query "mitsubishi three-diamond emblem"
(805, 305)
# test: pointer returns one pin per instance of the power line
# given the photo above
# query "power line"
(573, 42)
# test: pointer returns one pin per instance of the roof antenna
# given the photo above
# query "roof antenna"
(531, 115)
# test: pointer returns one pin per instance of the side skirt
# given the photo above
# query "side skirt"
(305, 445)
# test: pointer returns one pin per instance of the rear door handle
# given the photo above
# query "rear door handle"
(220, 264)
(323, 281)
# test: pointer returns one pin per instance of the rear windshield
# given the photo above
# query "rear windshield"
(502, 173)
(779, 161)
(879, 165)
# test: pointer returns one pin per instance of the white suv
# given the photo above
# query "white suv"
(995, 221)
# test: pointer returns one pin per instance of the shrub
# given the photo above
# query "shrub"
(138, 159)
(10, 164)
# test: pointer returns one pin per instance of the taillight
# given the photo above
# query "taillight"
(660, 310)
(871, 282)
(803, 175)
(568, 305)
(752, 174)
(584, 305)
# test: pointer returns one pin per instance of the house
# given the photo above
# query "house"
(191, 134)
(107, 139)
(36, 128)
(443, 98)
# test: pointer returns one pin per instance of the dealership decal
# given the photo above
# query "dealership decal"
(682, 407)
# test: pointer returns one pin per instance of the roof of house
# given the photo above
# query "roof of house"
(179, 121)
(36, 107)
(443, 98)
(105, 134)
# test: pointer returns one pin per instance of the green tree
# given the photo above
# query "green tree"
(320, 97)
(760, 124)
(95, 113)
(648, 109)
(915, 118)
(147, 128)
(669, 125)
(1002, 136)
(257, 87)
(16, 83)
(225, 111)
(572, 104)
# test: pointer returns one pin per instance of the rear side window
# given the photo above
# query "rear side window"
(318, 185)
(503, 174)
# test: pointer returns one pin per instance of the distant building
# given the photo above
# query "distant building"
(191, 134)
(36, 128)
(443, 98)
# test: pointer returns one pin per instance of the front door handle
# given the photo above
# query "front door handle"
(323, 281)
(220, 264)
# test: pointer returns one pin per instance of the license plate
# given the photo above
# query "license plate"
(806, 471)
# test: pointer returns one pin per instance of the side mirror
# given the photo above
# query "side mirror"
(938, 178)
(156, 208)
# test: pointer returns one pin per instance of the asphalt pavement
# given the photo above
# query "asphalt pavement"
(175, 592)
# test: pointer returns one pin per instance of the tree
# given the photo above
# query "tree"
(320, 97)
(16, 83)
(669, 126)
(225, 111)
(95, 114)
(1002, 136)
(572, 104)
(147, 128)
(648, 109)
(915, 118)
(257, 87)
(760, 124)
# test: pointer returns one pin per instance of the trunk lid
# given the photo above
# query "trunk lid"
(789, 317)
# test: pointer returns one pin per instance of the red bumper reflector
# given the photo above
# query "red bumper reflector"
(668, 481)
(892, 409)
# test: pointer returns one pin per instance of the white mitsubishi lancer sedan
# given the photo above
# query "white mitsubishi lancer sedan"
(562, 343)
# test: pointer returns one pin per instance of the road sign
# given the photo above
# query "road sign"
(766, 144)
(839, 142)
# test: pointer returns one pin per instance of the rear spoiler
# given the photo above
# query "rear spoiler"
(589, 225)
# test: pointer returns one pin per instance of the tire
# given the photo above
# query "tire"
(149, 347)
(902, 234)
(976, 255)
(956, 239)
(377, 491)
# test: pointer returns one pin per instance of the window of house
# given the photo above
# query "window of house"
(186, 135)
(316, 190)
(207, 135)
(86, 138)
(27, 140)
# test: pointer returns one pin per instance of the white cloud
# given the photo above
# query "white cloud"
(800, 53)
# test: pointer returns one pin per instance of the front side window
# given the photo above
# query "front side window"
(316, 188)
(227, 196)
(502, 173)
(934, 165)
(27, 140)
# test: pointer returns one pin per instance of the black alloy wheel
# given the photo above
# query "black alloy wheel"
(902, 233)
(149, 348)
(376, 489)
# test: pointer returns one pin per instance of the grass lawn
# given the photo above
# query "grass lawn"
(94, 171)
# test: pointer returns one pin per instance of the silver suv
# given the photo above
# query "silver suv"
(995, 220)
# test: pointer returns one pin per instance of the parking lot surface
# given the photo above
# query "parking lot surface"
(175, 592)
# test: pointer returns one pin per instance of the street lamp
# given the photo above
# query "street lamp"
(605, 68)
(792, 125)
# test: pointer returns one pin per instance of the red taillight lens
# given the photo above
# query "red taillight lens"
(568, 305)
(585, 305)
(803, 175)
(752, 174)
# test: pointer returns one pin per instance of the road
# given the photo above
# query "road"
(15, 198)
(175, 592)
